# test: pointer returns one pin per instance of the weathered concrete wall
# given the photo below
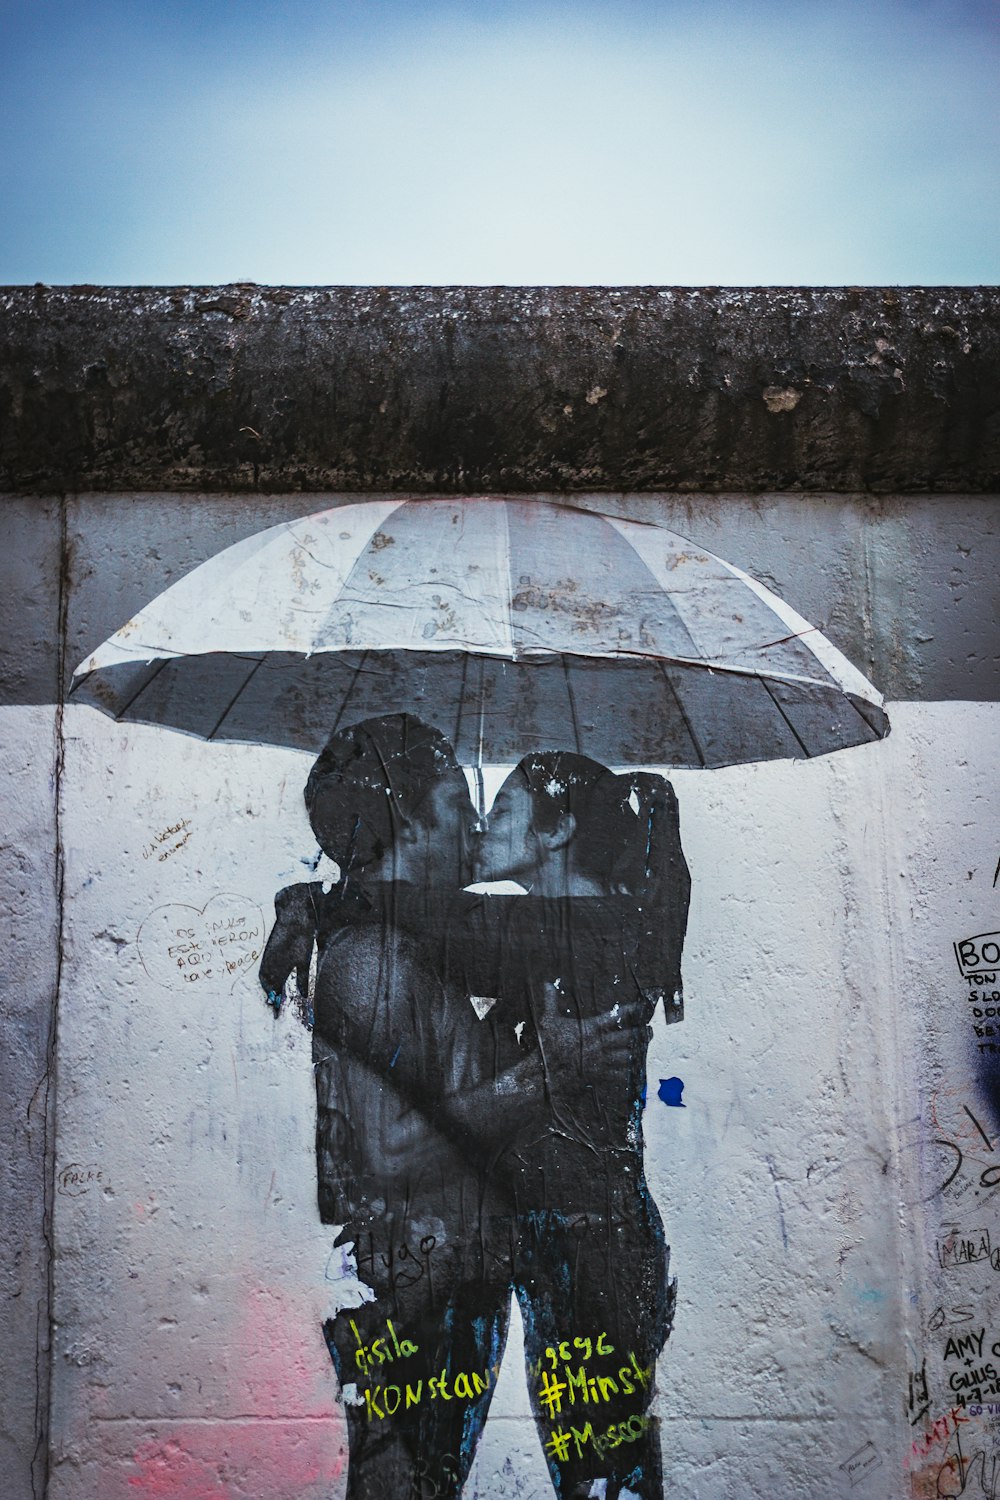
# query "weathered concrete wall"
(30, 894)
(901, 583)
(827, 1045)
(512, 389)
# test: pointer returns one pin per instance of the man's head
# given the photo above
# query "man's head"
(559, 824)
(388, 797)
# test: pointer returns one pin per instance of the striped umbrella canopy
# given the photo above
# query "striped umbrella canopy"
(511, 625)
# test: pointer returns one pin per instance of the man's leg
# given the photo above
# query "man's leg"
(417, 1366)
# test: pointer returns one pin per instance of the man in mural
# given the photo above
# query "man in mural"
(389, 803)
(470, 1156)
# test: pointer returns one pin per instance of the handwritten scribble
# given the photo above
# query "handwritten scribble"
(181, 946)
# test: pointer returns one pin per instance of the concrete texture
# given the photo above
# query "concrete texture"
(245, 388)
(164, 1145)
(902, 584)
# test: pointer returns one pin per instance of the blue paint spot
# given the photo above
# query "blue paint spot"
(274, 1001)
(670, 1092)
(395, 1055)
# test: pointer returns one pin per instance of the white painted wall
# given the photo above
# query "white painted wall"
(826, 1047)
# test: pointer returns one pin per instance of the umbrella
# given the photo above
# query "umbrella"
(512, 625)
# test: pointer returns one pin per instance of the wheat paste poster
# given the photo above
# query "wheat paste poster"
(456, 987)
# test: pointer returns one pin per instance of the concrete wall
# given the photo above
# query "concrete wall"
(827, 1190)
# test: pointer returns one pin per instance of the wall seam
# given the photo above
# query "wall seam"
(908, 1218)
(45, 1345)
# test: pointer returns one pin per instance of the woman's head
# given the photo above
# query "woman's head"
(561, 814)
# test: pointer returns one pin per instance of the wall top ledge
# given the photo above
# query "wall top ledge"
(517, 389)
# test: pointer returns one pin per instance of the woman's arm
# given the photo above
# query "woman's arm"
(660, 880)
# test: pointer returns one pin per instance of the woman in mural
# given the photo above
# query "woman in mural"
(598, 933)
(470, 1156)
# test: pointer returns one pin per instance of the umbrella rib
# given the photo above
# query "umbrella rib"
(229, 706)
(461, 699)
(347, 696)
(508, 597)
(859, 704)
(477, 767)
(801, 742)
(142, 688)
(481, 728)
(572, 706)
(468, 657)
(683, 713)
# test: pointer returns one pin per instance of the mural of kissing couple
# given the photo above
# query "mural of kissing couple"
(480, 1058)
(480, 1069)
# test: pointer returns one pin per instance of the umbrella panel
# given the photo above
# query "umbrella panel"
(820, 720)
(622, 712)
(622, 717)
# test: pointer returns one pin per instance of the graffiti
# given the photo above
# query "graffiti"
(155, 849)
(181, 946)
(861, 1463)
(958, 1473)
(968, 1166)
(478, 1060)
(397, 1261)
(968, 1346)
(566, 1385)
(985, 1008)
(964, 1249)
(977, 1377)
(941, 1317)
(381, 1350)
(383, 1401)
(580, 1384)
(567, 1350)
(940, 1431)
(975, 1383)
(432, 1479)
(918, 1396)
(558, 1444)
(74, 1180)
(505, 1126)
(976, 954)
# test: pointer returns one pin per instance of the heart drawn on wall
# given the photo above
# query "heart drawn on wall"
(183, 946)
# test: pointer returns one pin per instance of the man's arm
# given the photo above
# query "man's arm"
(290, 944)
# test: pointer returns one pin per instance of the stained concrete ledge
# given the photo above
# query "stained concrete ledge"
(524, 389)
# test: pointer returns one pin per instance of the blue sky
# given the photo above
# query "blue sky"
(631, 141)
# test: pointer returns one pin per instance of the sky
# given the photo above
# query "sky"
(671, 142)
